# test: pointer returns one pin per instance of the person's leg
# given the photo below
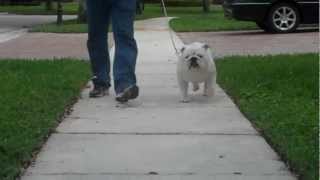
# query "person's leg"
(98, 20)
(122, 14)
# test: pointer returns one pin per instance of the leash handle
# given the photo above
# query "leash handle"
(170, 30)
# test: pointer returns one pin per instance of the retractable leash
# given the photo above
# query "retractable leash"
(170, 30)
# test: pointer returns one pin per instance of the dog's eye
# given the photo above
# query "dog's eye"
(187, 57)
(200, 56)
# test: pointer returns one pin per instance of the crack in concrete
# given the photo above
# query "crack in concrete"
(154, 173)
(160, 133)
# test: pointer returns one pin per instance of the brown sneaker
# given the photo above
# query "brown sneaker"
(131, 92)
(99, 91)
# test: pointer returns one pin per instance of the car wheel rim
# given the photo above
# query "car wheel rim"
(284, 18)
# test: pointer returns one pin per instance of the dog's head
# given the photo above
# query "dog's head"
(195, 55)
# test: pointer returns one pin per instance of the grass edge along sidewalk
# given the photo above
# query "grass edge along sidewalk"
(34, 97)
(279, 95)
(188, 19)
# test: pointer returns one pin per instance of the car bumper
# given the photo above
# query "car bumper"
(246, 12)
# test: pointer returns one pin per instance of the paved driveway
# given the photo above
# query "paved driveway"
(13, 26)
(37, 45)
(25, 21)
(256, 42)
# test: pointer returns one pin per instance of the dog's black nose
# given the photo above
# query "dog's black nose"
(193, 62)
(193, 59)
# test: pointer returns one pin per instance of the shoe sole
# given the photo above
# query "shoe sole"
(130, 93)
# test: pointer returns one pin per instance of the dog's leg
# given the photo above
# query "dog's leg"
(195, 86)
(209, 86)
(184, 91)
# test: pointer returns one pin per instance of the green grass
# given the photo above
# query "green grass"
(34, 95)
(279, 94)
(69, 26)
(188, 19)
(192, 19)
(72, 26)
(68, 8)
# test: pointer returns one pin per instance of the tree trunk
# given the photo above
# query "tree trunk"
(82, 12)
(138, 7)
(49, 5)
(206, 5)
(59, 13)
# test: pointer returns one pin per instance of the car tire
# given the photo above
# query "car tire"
(283, 18)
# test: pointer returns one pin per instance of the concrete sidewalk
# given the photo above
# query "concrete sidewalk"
(156, 137)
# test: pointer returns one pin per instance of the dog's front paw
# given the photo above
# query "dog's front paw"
(185, 100)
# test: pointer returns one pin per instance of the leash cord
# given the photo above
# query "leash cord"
(170, 30)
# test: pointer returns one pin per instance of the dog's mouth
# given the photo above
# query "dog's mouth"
(193, 63)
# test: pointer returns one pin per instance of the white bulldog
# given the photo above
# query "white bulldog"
(196, 65)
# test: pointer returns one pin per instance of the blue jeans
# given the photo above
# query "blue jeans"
(121, 13)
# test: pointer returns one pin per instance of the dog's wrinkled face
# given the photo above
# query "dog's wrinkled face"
(195, 56)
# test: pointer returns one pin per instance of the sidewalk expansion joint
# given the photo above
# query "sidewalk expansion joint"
(159, 133)
(154, 173)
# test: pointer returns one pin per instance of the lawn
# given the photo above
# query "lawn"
(188, 19)
(279, 94)
(69, 26)
(68, 8)
(192, 19)
(34, 96)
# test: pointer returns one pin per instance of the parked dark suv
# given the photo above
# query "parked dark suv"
(280, 16)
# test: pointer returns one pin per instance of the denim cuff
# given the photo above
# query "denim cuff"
(120, 87)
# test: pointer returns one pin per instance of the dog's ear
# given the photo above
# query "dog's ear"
(206, 46)
(182, 49)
